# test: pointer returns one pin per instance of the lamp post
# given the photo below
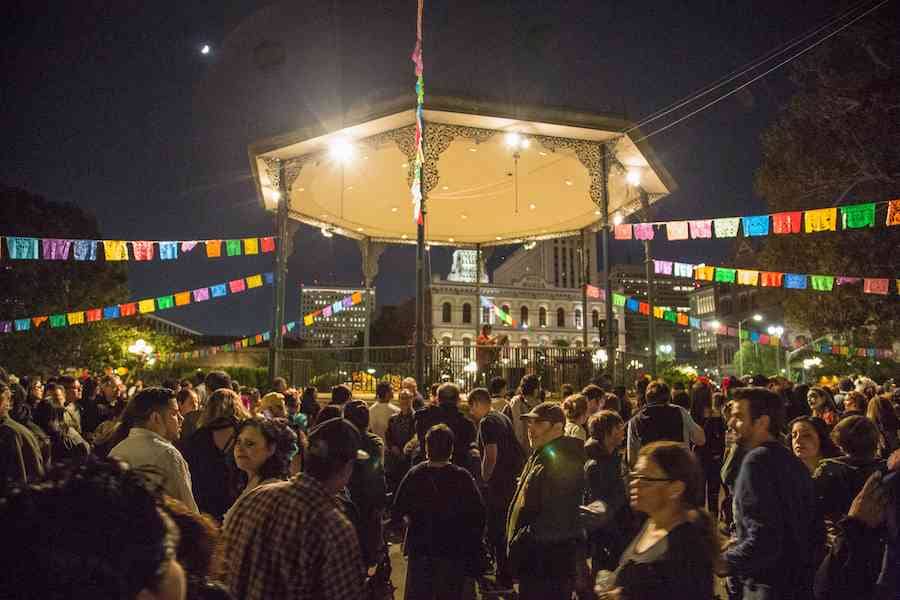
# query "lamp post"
(777, 331)
(143, 351)
(757, 317)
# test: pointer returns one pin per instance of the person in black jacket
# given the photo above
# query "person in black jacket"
(447, 412)
(859, 565)
(543, 528)
(605, 481)
(659, 420)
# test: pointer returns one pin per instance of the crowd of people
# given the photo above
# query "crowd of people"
(203, 489)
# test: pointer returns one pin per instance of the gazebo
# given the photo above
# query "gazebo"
(494, 174)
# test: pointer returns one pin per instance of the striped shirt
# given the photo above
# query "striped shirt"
(292, 540)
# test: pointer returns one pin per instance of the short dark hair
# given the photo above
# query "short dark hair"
(439, 442)
(382, 389)
(566, 390)
(529, 384)
(66, 381)
(763, 402)
(857, 436)
(592, 392)
(327, 412)
(216, 380)
(497, 385)
(340, 394)
(144, 404)
(601, 424)
(658, 391)
(479, 396)
(448, 392)
(357, 413)
(119, 546)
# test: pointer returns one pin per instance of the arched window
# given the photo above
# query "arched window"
(467, 347)
(578, 323)
(446, 340)
(542, 317)
(523, 315)
(595, 318)
(560, 317)
(486, 315)
(467, 313)
(446, 312)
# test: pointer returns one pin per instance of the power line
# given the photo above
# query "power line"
(764, 73)
(736, 74)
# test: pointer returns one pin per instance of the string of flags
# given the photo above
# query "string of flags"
(32, 248)
(756, 337)
(419, 161)
(854, 216)
(234, 346)
(333, 309)
(774, 279)
(138, 307)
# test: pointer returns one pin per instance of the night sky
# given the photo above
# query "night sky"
(112, 107)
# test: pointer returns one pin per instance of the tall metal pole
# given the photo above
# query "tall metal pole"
(281, 228)
(586, 269)
(367, 333)
(740, 350)
(648, 269)
(477, 290)
(420, 298)
(604, 239)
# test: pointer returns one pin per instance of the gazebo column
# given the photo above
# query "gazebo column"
(648, 266)
(420, 296)
(604, 239)
(371, 252)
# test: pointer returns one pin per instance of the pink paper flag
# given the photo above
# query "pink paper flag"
(143, 250)
(623, 231)
(187, 246)
(201, 294)
(701, 229)
(236, 285)
(643, 231)
(876, 286)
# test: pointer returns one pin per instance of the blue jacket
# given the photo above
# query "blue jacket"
(775, 521)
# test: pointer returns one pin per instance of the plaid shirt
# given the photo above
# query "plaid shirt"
(291, 540)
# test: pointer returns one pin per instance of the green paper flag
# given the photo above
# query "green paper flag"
(233, 247)
(58, 321)
(745, 335)
(725, 275)
(857, 216)
(822, 283)
(163, 302)
(670, 315)
(619, 300)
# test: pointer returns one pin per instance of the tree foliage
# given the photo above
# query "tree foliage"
(836, 143)
(38, 287)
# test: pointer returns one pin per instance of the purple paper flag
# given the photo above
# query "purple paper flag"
(201, 294)
(55, 249)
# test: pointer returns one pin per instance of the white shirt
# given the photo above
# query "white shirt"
(145, 449)
(379, 414)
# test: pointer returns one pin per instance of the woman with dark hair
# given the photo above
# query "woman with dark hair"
(822, 405)
(710, 454)
(672, 557)
(199, 551)
(263, 452)
(881, 412)
(215, 479)
(309, 406)
(605, 481)
(810, 441)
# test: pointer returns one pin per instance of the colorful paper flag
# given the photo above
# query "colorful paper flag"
(85, 249)
(182, 298)
(683, 270)
(787, 222)
(857, 216)
(164, 302)
(643, 231)
(727, 227)
(251, 246)
(22, 248)
(201, 294)
(55, 249)
(822, 219)
(268, 244)
(622, 231)
(213, 248)
(876, 286)
(893, 213)
(146, 306)
(219, 290)
(168, 250)
(771, 278)
(236, 286)
(756, 225)
(128, 309)
(724, 275)
(662, 267)
(747, 277)
(143, 250)
(795, 281)
(75, 318)
(254, 281)
(822, 283)
(58, 321)
(701, 229)
(115, 250)
(677, 230)
(233, 247)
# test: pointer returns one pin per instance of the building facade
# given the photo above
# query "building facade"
(556, 262)
(341, 329)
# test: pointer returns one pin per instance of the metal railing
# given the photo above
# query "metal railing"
(467, 365)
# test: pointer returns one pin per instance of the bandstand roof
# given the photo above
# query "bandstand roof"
(477, 192)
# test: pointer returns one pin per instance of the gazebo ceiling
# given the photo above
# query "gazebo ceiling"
(477, 190)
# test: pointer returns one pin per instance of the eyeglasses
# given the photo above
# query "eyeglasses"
(637, 477)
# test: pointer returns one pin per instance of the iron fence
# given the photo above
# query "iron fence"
(465, 365)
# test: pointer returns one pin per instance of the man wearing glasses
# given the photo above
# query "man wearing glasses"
(543, 528)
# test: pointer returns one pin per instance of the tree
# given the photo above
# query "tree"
(757, 359)
(39, 287)
(836, 143)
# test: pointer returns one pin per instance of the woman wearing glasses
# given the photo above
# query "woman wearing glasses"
(672, 557)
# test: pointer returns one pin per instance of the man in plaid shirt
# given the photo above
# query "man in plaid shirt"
(291, 539)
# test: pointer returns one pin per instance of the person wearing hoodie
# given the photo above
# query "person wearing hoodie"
(543, 528)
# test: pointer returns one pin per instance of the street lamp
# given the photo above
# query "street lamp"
(143, 351)
(757, 317)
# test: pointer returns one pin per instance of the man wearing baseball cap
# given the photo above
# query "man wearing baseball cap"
(292, 539)
(542, 528)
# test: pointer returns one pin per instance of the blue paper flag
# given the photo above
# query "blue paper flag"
(23, 324)
(85, 249)
(168, 250)
(754, 226)
(22, 247)
(111, 312)
(269, 277)
(795, 281)
(219, 290)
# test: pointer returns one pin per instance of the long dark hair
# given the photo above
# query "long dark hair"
(680, 464)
